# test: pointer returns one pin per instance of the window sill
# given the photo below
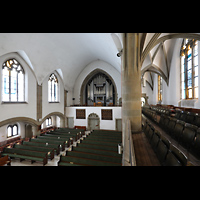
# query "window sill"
(11, 137)
(188, 102)
(14, 102)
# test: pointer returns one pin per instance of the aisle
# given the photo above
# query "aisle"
(144, 153)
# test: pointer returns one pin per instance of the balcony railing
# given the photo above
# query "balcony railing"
(128, 157)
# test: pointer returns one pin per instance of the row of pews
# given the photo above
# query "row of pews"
(99, 148)
(180, 127)
(96, 148)
(43, 147)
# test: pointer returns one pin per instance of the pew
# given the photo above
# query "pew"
(26, 154)
(49, 141)
(49, 151)
(86, 161)
(5, 160)
(100, 148)
(56, 147)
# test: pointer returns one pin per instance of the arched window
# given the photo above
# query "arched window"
(189, 69)
(13, 81)
(159, 89)
(53, 88)
(12, 130)
(48, 121)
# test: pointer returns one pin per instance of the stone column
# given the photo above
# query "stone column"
(62, 122)
(131, 81)
(39, 102)
(35, 131)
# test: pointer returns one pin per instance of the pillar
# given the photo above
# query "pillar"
(62, 122)
(39, 102)
(35, 131)
(131, 81)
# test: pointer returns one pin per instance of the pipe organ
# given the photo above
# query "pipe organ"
(99, 89)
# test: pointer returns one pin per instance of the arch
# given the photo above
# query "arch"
(30, 120)
(53, 87)
(10, 130)
(155, 69)
(156, 41)
(117, 41)
(57, 72)
(26, 58)
(22, 57)
(28, 131)
(89, 76)
(93, 121)
(60, 73)
(19, 119)
(14, 81)
(59, 114)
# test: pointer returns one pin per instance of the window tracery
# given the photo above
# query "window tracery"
(13, 81)
(53, 88)
(189, 69)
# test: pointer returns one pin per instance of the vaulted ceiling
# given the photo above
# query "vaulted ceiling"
(68, 53)
(157, 51)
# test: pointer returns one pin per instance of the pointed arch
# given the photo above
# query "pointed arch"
(89, 76)
(156, 40)
(155, 69)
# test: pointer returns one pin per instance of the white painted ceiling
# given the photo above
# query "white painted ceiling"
(69, 53)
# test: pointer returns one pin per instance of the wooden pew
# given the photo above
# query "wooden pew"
(26, 154)
(5, 160)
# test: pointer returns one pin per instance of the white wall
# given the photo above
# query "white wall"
(104, 124)
(152, 94)
(47, 107)
(116, 75)
(171, 92)
(9, 110)
(3, 131)
(29, 108)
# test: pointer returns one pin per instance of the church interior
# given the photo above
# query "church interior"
(99, 99)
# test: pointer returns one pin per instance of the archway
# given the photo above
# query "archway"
(104, 98)
(28, 131)
(93, 122)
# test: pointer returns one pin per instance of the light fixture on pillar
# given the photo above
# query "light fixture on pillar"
(73, 99)
(120, 53)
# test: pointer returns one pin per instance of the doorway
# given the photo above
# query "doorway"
(118, 124)
(28, 131)
(70, 122)
(93, 122)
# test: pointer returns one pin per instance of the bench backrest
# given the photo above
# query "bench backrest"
(25, 152)
(3, 160)
(33, 148)
(46, 141)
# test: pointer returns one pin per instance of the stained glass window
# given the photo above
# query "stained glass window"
(53, 88)
(189, 69)
(12, 81)
(159, 88)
